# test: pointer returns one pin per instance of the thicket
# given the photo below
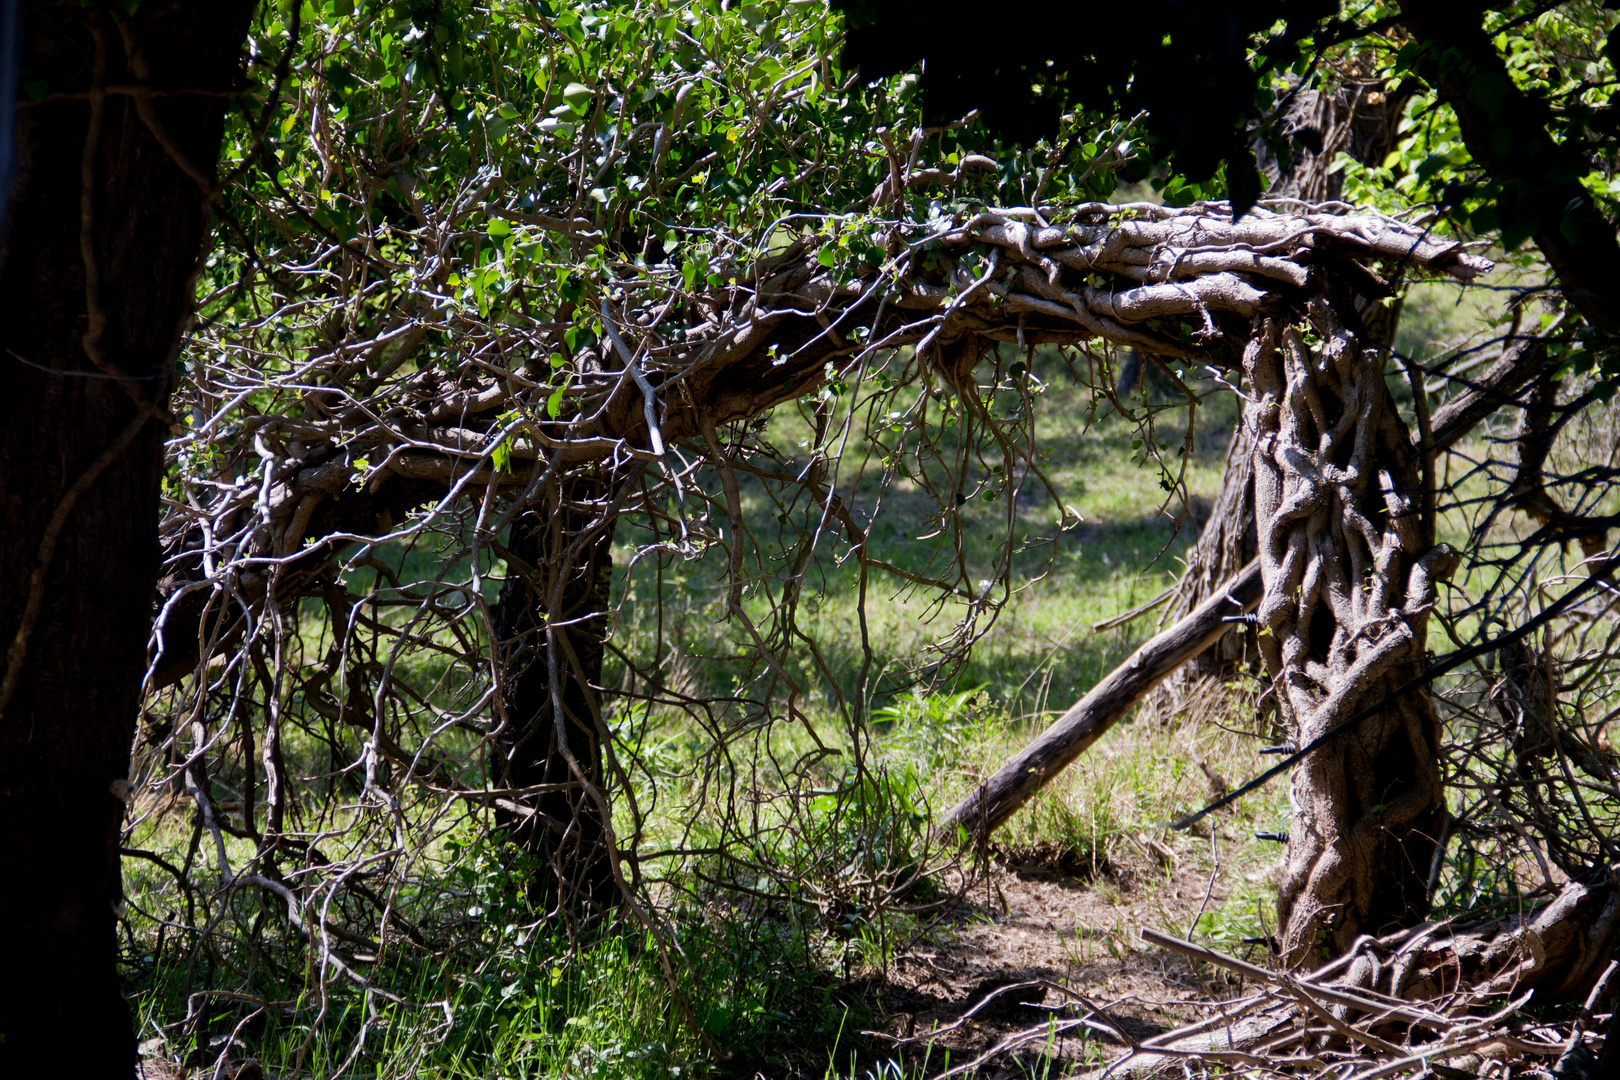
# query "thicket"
(574, 387)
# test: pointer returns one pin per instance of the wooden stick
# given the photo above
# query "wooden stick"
(1406, 1012)
(999, 797)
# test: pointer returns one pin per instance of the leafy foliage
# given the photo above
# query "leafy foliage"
(1224, 57)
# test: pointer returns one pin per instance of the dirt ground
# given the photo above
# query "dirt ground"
(1036, 915)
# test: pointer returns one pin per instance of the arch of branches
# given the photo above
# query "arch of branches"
(545, 451)
(504, 348)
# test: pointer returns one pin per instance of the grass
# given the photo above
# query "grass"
(1040, 649)
(538, 1005)
(766, 981)
(753, 983)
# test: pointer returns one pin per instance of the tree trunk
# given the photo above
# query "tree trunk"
(1350, 568)
(552, 624)
(999, 797)
(1359, 119)
(101, 248)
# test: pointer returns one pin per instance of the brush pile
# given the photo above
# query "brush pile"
(1492, 1000)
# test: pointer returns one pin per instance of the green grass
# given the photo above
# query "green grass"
(516, 1000)
(1040, 651)
(833, 861)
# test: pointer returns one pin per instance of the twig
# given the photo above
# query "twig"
(1405, 1012)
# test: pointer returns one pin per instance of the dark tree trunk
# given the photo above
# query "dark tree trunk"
(101, 247)
(552, 623)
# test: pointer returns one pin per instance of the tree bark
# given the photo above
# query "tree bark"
(1558, 949)
(1359, 119)
(739, 376)
(100, 252)
(1350, 568)
(551, 626)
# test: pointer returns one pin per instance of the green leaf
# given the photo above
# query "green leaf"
(554, 402)
(579, 96)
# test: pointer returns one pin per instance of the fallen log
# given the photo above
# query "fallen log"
(999, 797)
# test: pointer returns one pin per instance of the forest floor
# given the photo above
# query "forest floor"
(1039, 917)
(1058, 904)
(996, 981)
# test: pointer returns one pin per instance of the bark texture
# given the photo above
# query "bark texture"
(100, 250)
(1434, 982)
(552, 624)
(1358, 118)
(1190, 264)
(1350, 570)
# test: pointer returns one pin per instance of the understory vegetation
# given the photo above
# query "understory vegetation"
(776, 973)
(632, 476)
(776, 977)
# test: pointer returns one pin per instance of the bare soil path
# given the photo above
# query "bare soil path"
(1042, 915)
